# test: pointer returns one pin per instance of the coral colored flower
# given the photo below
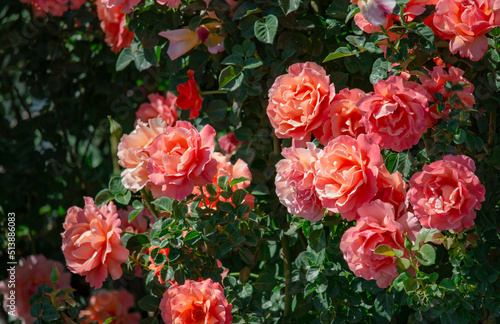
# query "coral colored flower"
(107, 304)
(464, 23)
(195, 302)
(170, 3)
(139, 225)
(346, 174)
(391, 188)
(394, 116)
(377, 226)
(153, 266)
(113, 25)
(30, 273)
(295, 182)
(126, 6)
(435, 84)
(375, 11)
(133, 152)
(189, 96)
(228, 144)
(158, 106)
(91, 242)
(180, 159)
(342, 117)
(446, 194)
(298, 99)
(42, 7)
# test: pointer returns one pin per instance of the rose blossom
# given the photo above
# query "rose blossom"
(394, 116)
(346, 174)
(464, 23)
(375, 11)
(158, 106)
(189, 96)
(91, 242)
(133, 152)
(139, 225)
(181, 158)
(435, 84)
(195, 302)
(126, 6)
(342, 117)
(170, 3)
(113, 25)
(106, 304)
(30, 273)
(295, 182)
(298, 99)
(42, 7)
(228, 144)
(446, 193)
(391, 188)
(376, 226)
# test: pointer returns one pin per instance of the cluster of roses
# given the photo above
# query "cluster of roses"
(348, 175)
(464, 23)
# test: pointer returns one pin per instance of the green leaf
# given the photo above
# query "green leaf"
(126, 56)
(289, 5)
(133, 214)
(252, 63)
(237, 180)
(460, 137)
(426, 255)
(448, 285)
(238, 197)
(123, 198)
(384, 305)
(230, 78)
(312, 274)
(148, 303)
(164, 204)
(109, 320)
(339, 52)
(265, 31)
(232, 60)
(145, 58)
(211, 189)
(404, 263)
(246, 256)
(399, 282)
(384, 250)
(191, 235)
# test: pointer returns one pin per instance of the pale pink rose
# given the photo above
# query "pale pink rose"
(226, 168)
(342, 117)
(446, 194)
(107, 304)
(126, 6)
(42, 7)
(181, 158)
(395, 115)
(195, 302)
(298, 99)
(464, 23)
(158, 106)
(133, 152)
(30, 273)
(170, 3)
(375, 11)
(295, 182)
(113, 25)
(91, 242)
(140, 224)
(376, 226)
(346, 174)
(435, 84)
(228, 144)
(391, 188)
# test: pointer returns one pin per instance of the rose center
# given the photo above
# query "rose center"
(203, 33)
(197, 314)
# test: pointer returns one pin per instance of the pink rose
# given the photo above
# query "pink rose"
(170, 3)
(435, 84)
(140, 224)
(133, 152)
(464, 23)
(195, 302)
(375, 11)
(180, 159)
(295, 182)
(30, 273)
(394, 116)
(391, 188)
(158, 106)
(91, 242)
(376, 226)
(107, 304)
(228, 144)
(113, 25)
(346, 174)
(342, 117)
(298, 99)
(446, 193)
(42, 7)
(126, 6)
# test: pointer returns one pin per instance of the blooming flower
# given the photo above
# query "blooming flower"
(446, 193)
(126, 6)
(295, 182)
(375, 11)
(139, 225)
(298, 99)
(113, 25)
(228, 144)
(30, 273)
(170, 3)
(91, 242)
(189, 96)
(346, 174)
(133, 152)
(42, 7)
(195, 302)
(107, 304)
(391, 188)
(158, 106)
(181, 158)
(376, 226)
(394, 116)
